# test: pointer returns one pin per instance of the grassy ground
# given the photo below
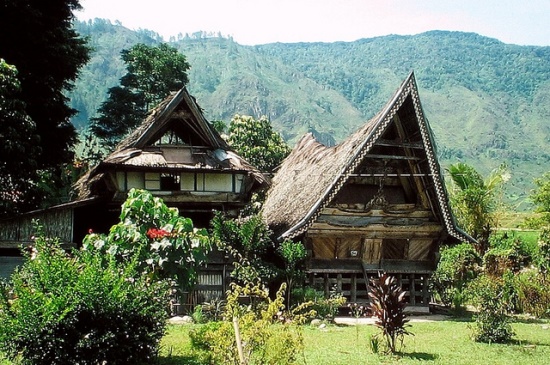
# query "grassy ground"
(441, 342)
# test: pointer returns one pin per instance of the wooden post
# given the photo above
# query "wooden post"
(412, 289)
(327, 285)
(425, 291)
(339, 283)
(353, 288)
(242, 360)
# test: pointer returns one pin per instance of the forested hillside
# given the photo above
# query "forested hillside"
(487, 102)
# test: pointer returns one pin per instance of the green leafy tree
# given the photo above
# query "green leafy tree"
(540, 196)
(457, 267)
(38, 38)
(247, 240)
(293, 253)
(475, 200)
(153, 72)
(166, 245)
(257, 142)
(18, 146)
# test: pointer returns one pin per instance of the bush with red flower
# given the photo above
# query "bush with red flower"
(165, 245)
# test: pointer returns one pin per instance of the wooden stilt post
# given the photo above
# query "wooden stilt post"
(353, 288)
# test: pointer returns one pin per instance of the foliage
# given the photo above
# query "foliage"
(257, 142)
(533, 295)
(492, 323)
(153, 72)
(47, 66)
(293, 253)
(267, 334)
(18, 146)
(457, 266)
(507, 252)
(387, 305)
(80, 309)
(246, 240)
(166, 245)
(210, 311)
(544, 250)
(540, 196)
(325, 306)
(475, 200)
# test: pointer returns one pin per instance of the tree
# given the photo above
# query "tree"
(153, 72)
(475, 200)
(247, 240)
(540, 196)
(257, 142)
(18, 144)
(165, 245)
(38, 39)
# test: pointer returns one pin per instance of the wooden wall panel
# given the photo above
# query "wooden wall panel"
(347, 244)
(324, 247)
(395, 249)
(419, 249)
(371, 250)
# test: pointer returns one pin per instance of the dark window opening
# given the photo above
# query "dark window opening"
(169, 182)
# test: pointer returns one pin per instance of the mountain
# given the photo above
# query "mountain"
(487, 102)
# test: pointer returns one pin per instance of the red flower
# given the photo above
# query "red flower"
(90, 231)
(153, 233)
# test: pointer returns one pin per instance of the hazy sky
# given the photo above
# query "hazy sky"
(525, 22)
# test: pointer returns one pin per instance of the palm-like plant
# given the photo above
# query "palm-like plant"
(387, 304)
(475, 200)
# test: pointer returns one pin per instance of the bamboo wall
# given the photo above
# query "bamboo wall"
(55, 223)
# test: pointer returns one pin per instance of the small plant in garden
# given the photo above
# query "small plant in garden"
(357, 310)
(387, 305)
(260, 334)
(492, 323)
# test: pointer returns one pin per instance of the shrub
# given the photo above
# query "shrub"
(544, 250)
(387, 304)
(325, 307)
(84, 309)
(507, 252)
(166, 245)
(457, 266)
(533, 295)
(492, 323)
(267, 334)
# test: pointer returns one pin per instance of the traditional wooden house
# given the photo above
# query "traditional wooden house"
(175, 154)
(375, 202)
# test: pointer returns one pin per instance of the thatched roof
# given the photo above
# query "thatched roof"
(312, 175)
(181, 112)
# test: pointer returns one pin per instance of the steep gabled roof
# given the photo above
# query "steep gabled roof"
(313, 174)
(156, 121)
(179, 111)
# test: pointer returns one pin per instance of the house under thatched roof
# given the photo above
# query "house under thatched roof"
(375, 202)
(174, 137)
(175, 154)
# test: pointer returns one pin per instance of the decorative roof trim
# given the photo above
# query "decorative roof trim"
(408, 88)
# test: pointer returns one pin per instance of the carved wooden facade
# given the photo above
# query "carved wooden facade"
(376, 202)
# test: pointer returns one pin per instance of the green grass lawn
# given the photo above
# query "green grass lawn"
(442, 342)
